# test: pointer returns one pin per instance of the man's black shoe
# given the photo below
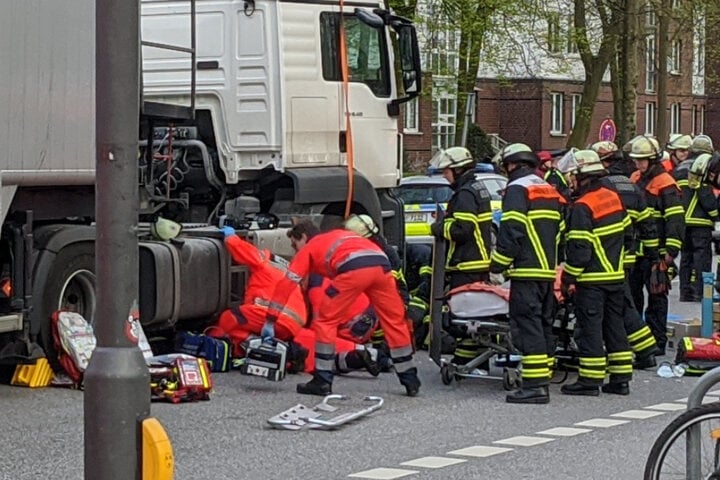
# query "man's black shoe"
(618, 388)
(410, 381)
(580, 389)
(529, 395)
(315, 387)
(372, 366)
(641, 363)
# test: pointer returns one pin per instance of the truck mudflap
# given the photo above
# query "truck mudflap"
(301, 417)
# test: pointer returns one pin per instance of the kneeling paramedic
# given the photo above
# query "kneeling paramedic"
(355, 265)
(599, 232)
(530, 229)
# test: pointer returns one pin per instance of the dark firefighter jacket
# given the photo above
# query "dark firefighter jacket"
(599, 232)
(467, 226)
(530, 230)
(700, 204)
(396, 266)
(644, 229)
(663, 197)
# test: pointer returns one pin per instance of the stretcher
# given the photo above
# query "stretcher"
(301, 417)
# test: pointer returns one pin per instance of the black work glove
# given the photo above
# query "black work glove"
(437, 229)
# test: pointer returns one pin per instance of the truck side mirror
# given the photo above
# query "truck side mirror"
(409, 59)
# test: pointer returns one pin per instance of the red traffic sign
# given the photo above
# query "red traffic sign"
(608, 131)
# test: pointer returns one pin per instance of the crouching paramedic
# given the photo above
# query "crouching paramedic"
(527, 244)
(355, 265)
(264, 274)
(599, 232)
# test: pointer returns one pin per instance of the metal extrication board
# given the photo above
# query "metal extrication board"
(321, 416)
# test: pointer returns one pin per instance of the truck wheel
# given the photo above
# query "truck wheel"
(70, 285)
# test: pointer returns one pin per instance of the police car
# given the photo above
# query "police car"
(421, 193)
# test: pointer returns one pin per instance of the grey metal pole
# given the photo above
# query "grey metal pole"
(117, 383)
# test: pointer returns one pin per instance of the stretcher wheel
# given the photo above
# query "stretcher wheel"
(446, 375)
(511, 379)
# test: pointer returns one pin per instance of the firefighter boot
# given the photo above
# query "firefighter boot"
(316, 386)
(578, 388)
(618, 388)
(410, 381)
(646, 361)
(371, 366)
(535, 395)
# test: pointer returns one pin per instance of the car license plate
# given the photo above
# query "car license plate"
(415, 217)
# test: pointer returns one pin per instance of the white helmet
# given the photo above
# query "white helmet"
(645, 147)
(679, 141)
(588, 162)
(605, 150)
(698, 170)
(702, 144)
(517, 153)
(453, 157)
(568, 165)
(363, 225)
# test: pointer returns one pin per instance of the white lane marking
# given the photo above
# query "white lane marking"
(564, 431)
(479, 451)
(433, 462)
(601, 423)
(706, 399)
(523, 441)
(383, 473)
(636, 414)
(667, 407)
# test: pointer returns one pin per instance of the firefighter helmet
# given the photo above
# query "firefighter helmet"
(645, 148)
(702, 144)
(568, 165)
(517, 153)
(363, 225)
(679, 142)
(453, 157)
(588, 162)
(698, 170)
(605, 150)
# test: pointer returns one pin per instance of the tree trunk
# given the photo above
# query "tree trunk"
(626, 82)
(663, 48)
(583, 118)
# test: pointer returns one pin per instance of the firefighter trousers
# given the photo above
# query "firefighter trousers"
(657, 308)
(599, 311)
(380, 287)
(642, 341)
(531, 310)
(696, 258)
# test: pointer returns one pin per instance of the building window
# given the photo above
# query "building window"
(675, 110)
(650, 63)
(411, 116)
(675, 4)
(650, 16)
(572, 46)
(554, 34)
(576, 100)
(650, 118)
(676, 57)
(556, 114)
(701, 123)
(443, 126)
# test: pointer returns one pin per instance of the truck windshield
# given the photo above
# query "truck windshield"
(366, 52)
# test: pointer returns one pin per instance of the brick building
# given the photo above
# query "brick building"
(531, 93)
(416, 125)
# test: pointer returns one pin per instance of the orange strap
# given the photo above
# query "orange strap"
(348, 127)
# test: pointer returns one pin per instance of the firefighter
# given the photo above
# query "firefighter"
(526, 250)
(549, 172)
(678, 149)
(467, 227)
(701, 213)
(663, 197)
(645, 240)
(265, 271)
(354, 265)
(599, 233)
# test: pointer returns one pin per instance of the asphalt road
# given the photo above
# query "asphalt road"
(461, 431)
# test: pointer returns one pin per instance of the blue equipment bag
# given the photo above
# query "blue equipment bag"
(217, 352)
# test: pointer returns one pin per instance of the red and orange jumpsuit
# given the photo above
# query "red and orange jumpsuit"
(248, 319)
(355, 265)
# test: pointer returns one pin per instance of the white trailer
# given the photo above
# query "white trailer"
(249, 110)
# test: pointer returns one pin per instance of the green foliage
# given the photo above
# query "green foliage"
(478, 143)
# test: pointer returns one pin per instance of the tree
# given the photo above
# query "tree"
(624, 72)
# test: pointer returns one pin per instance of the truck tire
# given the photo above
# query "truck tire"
(70, 285)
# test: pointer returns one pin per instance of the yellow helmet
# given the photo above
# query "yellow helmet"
(588, 162)
(698, 170)
(363, 225)
(702, 144)
(679, 142)
(453, 157)
(517, 153)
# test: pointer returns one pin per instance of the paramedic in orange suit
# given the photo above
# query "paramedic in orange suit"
(355, 265)
(264, 274)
